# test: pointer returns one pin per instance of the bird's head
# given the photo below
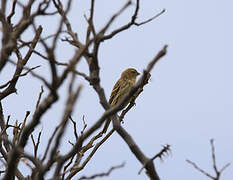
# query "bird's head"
(130, 74)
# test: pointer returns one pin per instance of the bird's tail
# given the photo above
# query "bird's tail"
(106, 126)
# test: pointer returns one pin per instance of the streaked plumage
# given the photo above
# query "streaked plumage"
(121, 88)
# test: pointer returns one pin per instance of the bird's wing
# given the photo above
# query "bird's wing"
(115, 90)
(120, 89)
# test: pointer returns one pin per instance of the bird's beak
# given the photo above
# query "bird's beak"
(138, 73)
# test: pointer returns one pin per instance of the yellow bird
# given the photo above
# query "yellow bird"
(120, 89)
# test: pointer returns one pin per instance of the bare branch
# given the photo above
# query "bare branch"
(75, 170)
(74, 127)
(50, 141)
(33, 74)
(69, 108)
(36, 144)
(166, 149)
(224, 167)
(17, 76)
(217, 172)
(103, 174)
(39, 98)
(83, 75)
(11, 88)
(91, 27)
(24, 124)
(12, 12)
(151, 19)
(132, 22)
(199, 169)
(84, 125)
(115, 16)
(213, 155)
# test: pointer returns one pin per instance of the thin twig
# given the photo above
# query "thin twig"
(166, 149)
(39, 98)
(74, 127)
(84, 125)
(199, 169)
(151, 19)
(102, 174)
(17, 76)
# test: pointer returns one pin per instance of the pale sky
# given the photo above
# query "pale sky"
(187, 102)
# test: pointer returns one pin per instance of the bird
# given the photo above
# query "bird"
(120, 89)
